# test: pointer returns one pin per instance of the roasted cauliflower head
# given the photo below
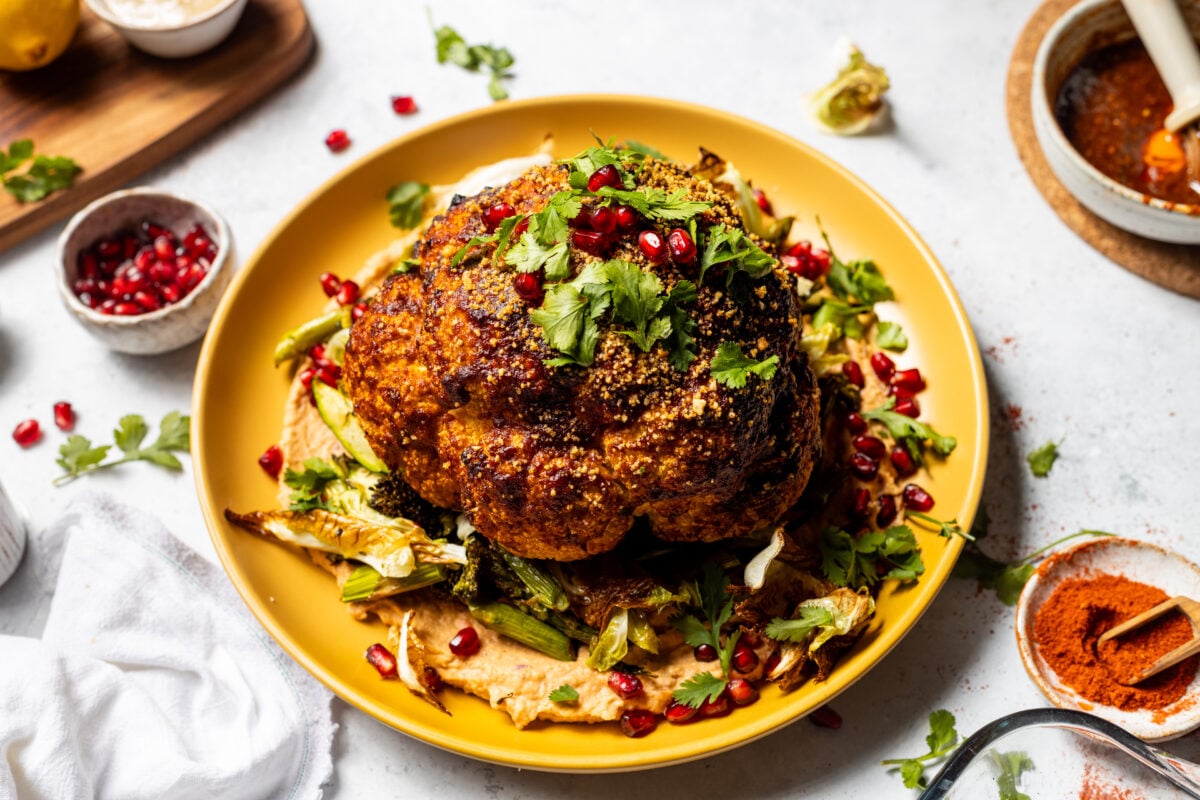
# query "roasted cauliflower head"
(555, 418)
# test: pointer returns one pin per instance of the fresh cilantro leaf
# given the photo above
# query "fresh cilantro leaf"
(657, 204)
(904, 429)
(797, 630)
(942, 740)
(530, 255)
(697, 689)
(46, 175)
(308, 484)
(452, 48)
(1011, 581)
(645, 149)
(891, 336)
(942, 734)
(18, 153)
(1042, 459)
(862, 561)
(636, 297)
(912, 772)
(564, 694)
(78, 457)
(735, 250)
(842, 317)
(730, 367)
(717, 606)
(694, 631)
(946, 528)
(130, 432)
(680, 340)
(406, 203)
(1012, 765)
(562, 317)
(174, 432)
(603, 155)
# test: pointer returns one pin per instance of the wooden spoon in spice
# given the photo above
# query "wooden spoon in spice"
(1189, 607)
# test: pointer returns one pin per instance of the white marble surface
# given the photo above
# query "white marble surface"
(1088, 351)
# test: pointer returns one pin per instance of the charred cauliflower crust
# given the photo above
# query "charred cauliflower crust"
(448, 378)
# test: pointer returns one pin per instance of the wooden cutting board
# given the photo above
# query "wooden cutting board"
(118, 111)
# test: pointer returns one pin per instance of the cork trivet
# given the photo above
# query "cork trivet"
(1175, 266)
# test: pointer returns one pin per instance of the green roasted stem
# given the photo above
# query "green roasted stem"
(573, 627)
(298, 340)
(367, 584)
(541, 585)
(520, 627)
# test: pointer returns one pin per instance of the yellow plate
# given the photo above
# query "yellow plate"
(239, 402)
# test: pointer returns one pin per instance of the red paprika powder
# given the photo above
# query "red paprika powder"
(1071, 621)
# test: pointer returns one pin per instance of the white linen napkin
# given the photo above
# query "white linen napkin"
(152, 680)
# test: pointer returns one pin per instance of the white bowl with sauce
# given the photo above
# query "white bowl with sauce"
(171, 28)
(1086, 27)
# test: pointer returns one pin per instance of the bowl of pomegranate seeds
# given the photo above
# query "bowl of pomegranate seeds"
(142, 270)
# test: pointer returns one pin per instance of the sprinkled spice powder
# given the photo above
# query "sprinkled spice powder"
(1071, 621)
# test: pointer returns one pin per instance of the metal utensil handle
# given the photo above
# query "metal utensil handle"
(1181, 774)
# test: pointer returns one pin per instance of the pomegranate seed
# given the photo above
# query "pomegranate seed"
(909, 380)
(337, 141)
(383, 661)
(801, 249)
(871, 445)
(822, 259)
(902, 460)
(627, 218)
(862, 503)
(127, 309)
(432, 680)
(347, 293)
(899, 393)
(528, 287)
(638, 722)
(826, 717)
(170, 293)
(330, 283)
(27, 432)
(147, 300)
(191, 277)
(465, 643)
(603, 219)
(625, 685)
(760, 197)
(164, 248)
(605, 176)
(742, 692)
(520, 227)
(271, 460)
(682, 248)
(907, 406)
(89, 267)
(129, 245)
(404, 104)
(152, 230)
(855, 423)
(107, 306)
(652, 246)
(493, 215)
(705, 652)
(329, 374)
(306, 376)
(864, 467)
(744, 658)
(357, 312)
(678, 713)
(917, 498)
(887, 510)
(592, 242)
(317, 354)
(716, 708)
(884, 367)
(161, 272)
(853, 373)
(89, 285)
(108, 248)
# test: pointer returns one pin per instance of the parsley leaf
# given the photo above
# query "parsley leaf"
(564, 694)
(942, 740)
(1012, 765)
(797, 630)
(862, 561)
(452, 48)
(891, 336)
(717, 606)
(309, 484)
(79, 457)
(736, 251)
(18, 153)
(730, 367)
(842, 317)
(1042, 459)
(656, 203)
(910, 432)
(682, 344)
(645, 149)
(406, 203)
(701, 687)
(45, 175)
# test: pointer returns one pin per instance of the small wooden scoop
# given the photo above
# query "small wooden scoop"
(1189, 607)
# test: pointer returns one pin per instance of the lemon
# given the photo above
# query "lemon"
(35, 32)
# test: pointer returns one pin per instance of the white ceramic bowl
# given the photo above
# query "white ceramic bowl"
(189, 37)
(172, 326)
(1088, 26)
(1137, 561)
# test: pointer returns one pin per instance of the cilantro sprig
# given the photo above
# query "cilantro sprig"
(308, 484)
(859, 279)
(79, 456)
(1012, 766)
(731, 367)
(733, 249)
(941, 740)
(452, 48)
(798, 629)
(717, 606)
(564, 695)
(910, 433)
(863, 561)
(45, 175)
(406, 203)
(890, 336)
(1043, 458)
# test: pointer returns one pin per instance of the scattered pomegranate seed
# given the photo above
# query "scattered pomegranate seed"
(855, 423)
(887, 510)
(465, 643)
(902, 460)
(916, 498)
(853, 373)
(760, 197)
(625, 685)
(493, 215)
(716, 708)
(64, 416)
(871, 445)
(652, 246)
(627, 218)
(347, 293)
(638, 722)
(605, 176)
(678, 713)
(330, 283)
(907, 406)
(683, 249)
(826, 717)
(862, 503)
(705, 652)
(909, 380)
(805, 261)
(357, 312)
(272, 459)
(603, 219)
(592, 242)
(329, 374)
(528, 287)
(884, 367)
(432, 680)
(744, 658)
(863, 466)
(741, 691)
(383, 661)
(337, 141)
(27, 432)
(404, 104)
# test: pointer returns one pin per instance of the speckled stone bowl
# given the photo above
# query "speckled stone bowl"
(170, 327)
